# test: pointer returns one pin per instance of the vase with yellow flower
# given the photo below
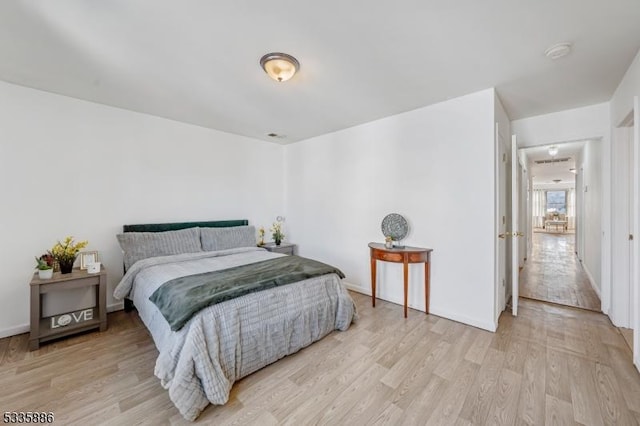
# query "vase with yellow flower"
(261, 236)
(65, 253)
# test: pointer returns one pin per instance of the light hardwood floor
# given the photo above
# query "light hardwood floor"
(627, 333)
(554, 273)
(550, 365)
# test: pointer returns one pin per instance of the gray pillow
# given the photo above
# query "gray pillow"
(142, 245)
(227, 238)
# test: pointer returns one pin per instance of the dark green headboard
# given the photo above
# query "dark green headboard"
(161, 227)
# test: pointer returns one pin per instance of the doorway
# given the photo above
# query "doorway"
(557, 192)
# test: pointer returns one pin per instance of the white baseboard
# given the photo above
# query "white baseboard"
(115, 307)
(12, 331)
(489, 326)
(591, 280)
(24, 328)
(357, 288)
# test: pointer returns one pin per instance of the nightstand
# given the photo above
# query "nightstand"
(44, 329)
(284, 248)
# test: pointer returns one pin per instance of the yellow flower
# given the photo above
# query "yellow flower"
(67, 250)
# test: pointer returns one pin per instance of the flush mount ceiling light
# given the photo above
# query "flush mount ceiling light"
(279, 66)
(553, 150)
(558, 51)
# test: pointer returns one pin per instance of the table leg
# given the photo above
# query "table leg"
(406, 283)
(101, 290)
(427, 283)
(373, 282)
(36, 308)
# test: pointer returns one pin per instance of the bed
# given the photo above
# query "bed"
(201, 356)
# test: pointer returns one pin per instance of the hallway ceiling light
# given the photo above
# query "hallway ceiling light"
(573, 171)
(558, 51)
(553, 150)
(557, 180)
(279, 66)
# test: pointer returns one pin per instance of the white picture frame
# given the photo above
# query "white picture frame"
(87, 257)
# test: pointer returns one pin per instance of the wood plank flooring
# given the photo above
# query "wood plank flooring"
(550, 365)
(554, 273)
(627, 333)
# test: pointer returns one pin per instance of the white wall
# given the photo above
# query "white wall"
(587, 123)
(435, 166)
(564, 126)
(622, 104)
(622, 100)
(69, 167)
(591, 164)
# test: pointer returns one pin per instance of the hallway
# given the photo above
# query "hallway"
(554, 274)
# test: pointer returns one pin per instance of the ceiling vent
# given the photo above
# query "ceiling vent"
(555, 160)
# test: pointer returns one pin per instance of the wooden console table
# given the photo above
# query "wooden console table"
(405, 256)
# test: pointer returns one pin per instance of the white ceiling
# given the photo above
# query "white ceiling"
(196, 61)
(544, 174)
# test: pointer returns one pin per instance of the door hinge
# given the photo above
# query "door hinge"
(630, 237)
(504, 158)
(504, 220)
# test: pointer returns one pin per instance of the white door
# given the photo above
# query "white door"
(502, 223)
(635, 285)
(632, 218)
(515, 221)
(501, 220)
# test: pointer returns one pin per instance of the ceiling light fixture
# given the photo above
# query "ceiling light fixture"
(558, 51)
(557, 180)
(553, 150)
(279, 66)
(573, 171)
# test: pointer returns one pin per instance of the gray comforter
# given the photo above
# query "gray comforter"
(183, 297)
(199, 363)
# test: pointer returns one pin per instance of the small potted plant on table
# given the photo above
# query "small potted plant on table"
(277, 233)
(45, 271)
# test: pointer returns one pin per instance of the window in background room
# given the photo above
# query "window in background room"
(556, 202)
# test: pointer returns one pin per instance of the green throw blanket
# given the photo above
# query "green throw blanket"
(179, 299)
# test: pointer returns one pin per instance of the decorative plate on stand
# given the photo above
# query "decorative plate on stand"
(395, 226)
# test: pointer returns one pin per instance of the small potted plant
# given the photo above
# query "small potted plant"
(276, 232)
(45, 271)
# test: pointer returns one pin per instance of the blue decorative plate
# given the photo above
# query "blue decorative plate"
(395, 226)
